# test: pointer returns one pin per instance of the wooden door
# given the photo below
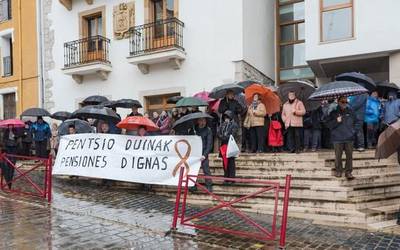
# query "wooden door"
(9, 106)
(163, 34)
(93, 46)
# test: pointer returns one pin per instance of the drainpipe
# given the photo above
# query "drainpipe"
(20, 94)
(40, 52)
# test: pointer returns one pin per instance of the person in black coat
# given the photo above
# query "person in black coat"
(312, 129)
(341, 123)
(227, 128)
(358, 105)
(202, 130)
(27, 140)
(10, 143)
(229, 103)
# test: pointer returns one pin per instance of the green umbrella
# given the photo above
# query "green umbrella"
(191, 102)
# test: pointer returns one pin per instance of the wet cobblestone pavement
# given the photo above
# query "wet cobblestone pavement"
(92, 217)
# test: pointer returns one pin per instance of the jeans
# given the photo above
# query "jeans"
(347, 147)
(372, 130)
(312, 138)
(206, 170)
(359, 138)
(293, 138)
(41, 149)
(257, 139)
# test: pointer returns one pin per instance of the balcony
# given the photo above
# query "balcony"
(155, 43)
(5, 10)
(7, 66)
(87, 56)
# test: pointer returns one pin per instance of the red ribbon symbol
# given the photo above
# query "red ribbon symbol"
(183, 158)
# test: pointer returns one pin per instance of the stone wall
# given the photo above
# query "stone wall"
(245, 71)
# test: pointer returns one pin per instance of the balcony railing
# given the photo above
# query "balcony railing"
(86, 50)
(5, 10)
(7, 66)
(155, 36)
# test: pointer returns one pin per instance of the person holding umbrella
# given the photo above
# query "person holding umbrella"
(391, 109)
(292, 115)
(231, 104)
(41, 134)
(342, 124)
(202, 130)
(255, 116)
(71, 129)
(135, 112)
(372, 113)
(10, 143)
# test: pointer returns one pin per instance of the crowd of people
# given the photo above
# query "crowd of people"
(339, 124)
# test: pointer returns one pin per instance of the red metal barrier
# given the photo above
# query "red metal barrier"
(41, 189)
(264, 186)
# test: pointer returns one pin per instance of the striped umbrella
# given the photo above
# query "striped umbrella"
(337, 89)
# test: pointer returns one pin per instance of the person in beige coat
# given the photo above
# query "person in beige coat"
(255, 120)
(292, 115)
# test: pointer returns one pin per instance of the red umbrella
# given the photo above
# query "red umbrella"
(15, 123)
(204, 95)
(214, 105)
(134, 122)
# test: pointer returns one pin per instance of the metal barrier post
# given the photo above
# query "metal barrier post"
(282, 240)
(49, 178)
(178, 199)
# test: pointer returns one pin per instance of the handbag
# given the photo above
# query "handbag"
(233, 149)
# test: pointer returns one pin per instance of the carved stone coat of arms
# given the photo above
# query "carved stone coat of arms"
(124, 19)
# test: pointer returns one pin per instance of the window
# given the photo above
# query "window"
(5, 10)
(6, 46)
(158, 103)
(291, 47)
(163, 10)
(9, 106)
(336, 19)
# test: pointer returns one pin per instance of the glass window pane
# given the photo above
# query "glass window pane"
(284, 1)
(330, 3)
(301, 31)
(170, 8)
(291, 12)
(292, 55)
(337, 24)
(299, 73)
(287, 33)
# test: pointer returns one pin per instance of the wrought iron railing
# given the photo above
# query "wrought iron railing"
(86, 50)
(5, 10)
(7, 66)
(156, 36)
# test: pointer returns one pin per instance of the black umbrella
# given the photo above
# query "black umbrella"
(385, 87)
(96, 112)
(359, 78)
(80, 127)
(188, 121)
(174, 99)
(61, 115)
(247, 83)
(220, 91)
(337, 89)
(126, 103)
(94, 100)
(303, 90)
(108, 104)
(35, 112)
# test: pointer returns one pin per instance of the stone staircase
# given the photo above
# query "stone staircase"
(370, 201)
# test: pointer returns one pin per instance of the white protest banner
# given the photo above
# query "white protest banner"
(148, 159)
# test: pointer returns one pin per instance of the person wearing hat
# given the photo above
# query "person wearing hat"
(41, 134)
(341, 122)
